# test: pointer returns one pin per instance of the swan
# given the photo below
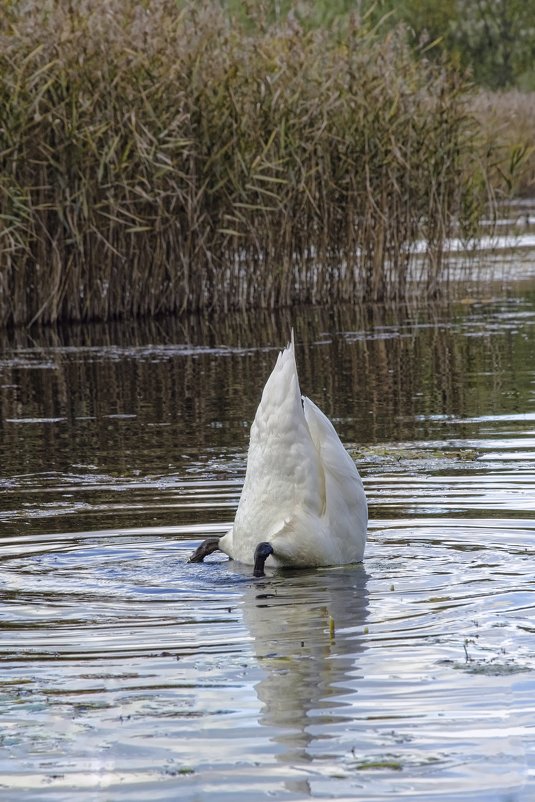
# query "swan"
(302, 503)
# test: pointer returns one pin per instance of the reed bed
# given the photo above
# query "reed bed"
(157, 160)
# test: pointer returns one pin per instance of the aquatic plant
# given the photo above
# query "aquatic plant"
(157, 160)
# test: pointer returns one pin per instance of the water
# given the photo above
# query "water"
(126, 673)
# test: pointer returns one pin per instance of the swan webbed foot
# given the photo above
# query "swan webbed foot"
(262, 552)
(207, 547)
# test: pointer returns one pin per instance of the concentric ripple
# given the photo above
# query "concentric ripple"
(125, 667)
(128, 673)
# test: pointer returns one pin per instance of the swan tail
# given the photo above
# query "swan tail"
(283, 469)
(282, 396)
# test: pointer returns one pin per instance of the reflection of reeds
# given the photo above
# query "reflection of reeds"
(155, 161)
(193, 386)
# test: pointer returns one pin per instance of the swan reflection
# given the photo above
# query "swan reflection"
(307, 628)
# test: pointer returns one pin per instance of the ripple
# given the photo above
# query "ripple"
(126, 672)
(113, 635)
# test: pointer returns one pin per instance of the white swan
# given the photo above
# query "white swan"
(302, 503)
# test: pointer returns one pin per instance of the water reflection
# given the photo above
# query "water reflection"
(124, 672)
(307, 629)
(145, 403)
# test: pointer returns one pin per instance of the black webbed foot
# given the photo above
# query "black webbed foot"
(262, 552)
(207, 547)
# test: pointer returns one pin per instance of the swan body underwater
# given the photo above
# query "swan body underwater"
(302, 502)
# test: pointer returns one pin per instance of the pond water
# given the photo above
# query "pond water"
(126, 673)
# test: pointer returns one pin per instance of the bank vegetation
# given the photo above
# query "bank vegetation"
(157, 159)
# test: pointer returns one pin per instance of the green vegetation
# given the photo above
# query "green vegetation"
(507, 136)
(493, 39)
(157, 158)
(387, 763)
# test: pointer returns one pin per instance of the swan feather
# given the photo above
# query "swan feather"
(302, 491)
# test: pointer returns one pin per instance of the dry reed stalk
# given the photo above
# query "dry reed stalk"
(157, 161)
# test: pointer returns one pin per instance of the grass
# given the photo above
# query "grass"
(162, 160)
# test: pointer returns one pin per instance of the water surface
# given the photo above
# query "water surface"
(126, 673)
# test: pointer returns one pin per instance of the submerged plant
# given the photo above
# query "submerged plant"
(156, 159)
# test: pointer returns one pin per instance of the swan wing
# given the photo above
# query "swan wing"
(346, 509)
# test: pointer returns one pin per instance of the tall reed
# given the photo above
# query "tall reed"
(161, 160)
